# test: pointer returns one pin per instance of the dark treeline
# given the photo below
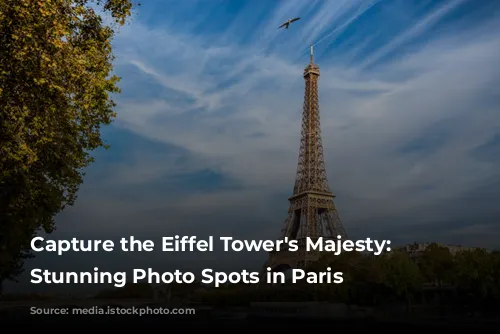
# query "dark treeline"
(468, 278)
(434, 277)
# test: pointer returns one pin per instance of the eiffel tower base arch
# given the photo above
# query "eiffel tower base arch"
(284, 260)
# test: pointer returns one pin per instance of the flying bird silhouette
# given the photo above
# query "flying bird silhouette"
(287, 23)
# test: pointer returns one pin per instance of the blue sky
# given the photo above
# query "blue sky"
(207, 133)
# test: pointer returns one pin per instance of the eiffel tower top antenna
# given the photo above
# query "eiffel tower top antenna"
(311, 55)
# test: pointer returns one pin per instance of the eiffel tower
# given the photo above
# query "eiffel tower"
(312, 212)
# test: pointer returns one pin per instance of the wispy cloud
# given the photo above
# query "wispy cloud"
(379, 112)
(325, 17)
(417, 29)
(362, 7)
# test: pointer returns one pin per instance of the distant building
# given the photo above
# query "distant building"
(416, 249)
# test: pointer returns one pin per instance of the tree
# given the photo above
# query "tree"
(436, 264)
(55, 94)
(476, 273)
(401, 274)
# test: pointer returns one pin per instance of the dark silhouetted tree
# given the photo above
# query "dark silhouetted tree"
(436, 264)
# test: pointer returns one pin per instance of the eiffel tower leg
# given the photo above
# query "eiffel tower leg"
(311, 214)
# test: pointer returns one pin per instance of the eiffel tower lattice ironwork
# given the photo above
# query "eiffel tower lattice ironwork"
(312, 211)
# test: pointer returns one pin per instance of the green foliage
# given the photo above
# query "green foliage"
(400, 274)
(436, 264)
(55, 94)
(478, 273)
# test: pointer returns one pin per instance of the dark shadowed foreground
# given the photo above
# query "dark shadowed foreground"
(258, 316)
(248, 325)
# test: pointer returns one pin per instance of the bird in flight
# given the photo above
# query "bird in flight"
(287, 23)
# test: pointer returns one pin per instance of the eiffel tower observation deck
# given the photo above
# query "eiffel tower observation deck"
(312, 212)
